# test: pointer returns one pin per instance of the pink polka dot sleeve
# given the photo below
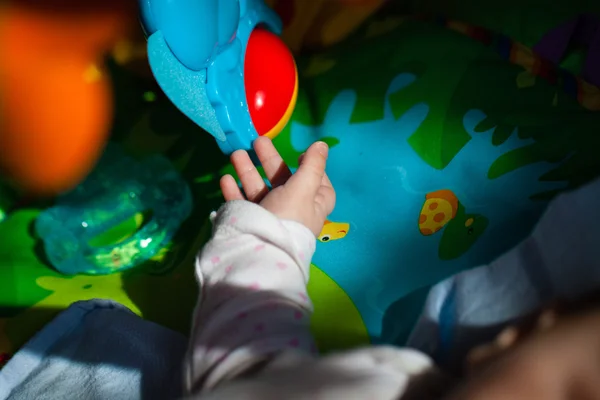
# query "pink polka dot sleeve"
(253, 302)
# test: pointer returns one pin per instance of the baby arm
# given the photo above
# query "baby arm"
(253, 301)
(251, 337)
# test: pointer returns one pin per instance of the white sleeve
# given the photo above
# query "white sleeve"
(253, 300)
(251, 337)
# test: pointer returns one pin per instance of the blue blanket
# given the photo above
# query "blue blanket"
(97, 350)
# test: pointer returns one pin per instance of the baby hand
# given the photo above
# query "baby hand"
(306, 197)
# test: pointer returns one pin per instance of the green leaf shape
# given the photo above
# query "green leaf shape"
(513, 160)
(368, 72)
(501, 134)
(461, 233)
(485, 125)
(442, 88)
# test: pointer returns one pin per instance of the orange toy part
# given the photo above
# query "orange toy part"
(271, 82)
(55, 98)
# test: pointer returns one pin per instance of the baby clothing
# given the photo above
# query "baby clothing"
(251, 336)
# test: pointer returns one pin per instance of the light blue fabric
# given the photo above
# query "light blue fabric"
(97, 350)
(560, 259)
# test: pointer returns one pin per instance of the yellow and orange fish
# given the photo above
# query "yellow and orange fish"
(333, 231)
(439, 208)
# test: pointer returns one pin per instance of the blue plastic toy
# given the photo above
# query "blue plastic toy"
(196, 50)
(117, 190)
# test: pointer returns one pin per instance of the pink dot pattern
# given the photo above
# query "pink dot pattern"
(281, 265)
(256, 263)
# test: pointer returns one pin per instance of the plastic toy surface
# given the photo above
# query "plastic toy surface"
(209, 56)
(233, 79)
(117, 190)
(271, 82)
(56, 104)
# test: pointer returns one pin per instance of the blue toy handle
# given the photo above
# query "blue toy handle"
(196, 30)
(196, 51)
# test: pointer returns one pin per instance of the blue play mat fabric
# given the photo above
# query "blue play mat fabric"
(444, 156)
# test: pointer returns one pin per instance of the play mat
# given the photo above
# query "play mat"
(447, 141)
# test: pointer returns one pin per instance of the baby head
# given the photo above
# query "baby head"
(551, 355)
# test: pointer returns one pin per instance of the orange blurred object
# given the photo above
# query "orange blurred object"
(55, 98)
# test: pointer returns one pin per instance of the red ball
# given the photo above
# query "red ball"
(271, 82)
